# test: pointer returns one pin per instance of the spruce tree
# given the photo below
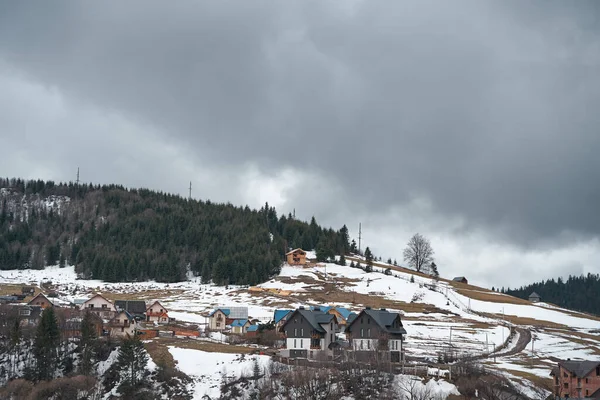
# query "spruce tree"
(434, 270)
(132, 361)
(369, 260)
(87, 345)
(342, 260)
(45, 346)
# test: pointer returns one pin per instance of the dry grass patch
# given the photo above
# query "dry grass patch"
(527, 321)
(538, 381)
(489, 296)
(143, 294)
(159, 353)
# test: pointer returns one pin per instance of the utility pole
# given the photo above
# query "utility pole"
(359, 236)
(190, 197)
(77, 181)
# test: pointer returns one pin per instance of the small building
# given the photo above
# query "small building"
(309, 334)
(29, 315)
(8, 299)
(534, 297)
(296, 257)
(341, 314)
(217, 320)
(122, 325)
(157, 313)
(461, 279)
(71, 319)
(376, 335)
(41, 300)
(100, 306)
(577, 379)
(240, 326)
(279, 318)
(137, 308)
(252, 331)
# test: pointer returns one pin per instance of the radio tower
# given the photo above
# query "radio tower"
(190, 190)
(77, 181)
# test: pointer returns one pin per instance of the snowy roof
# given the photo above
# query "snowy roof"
(278, 315)
(225, 311)
(253, 328)
(239, 322)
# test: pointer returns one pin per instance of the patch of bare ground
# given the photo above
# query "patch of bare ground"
(537, 381)
(159, 353)
(572, 332)
(143, 294)
(489, 296)
(525, 321)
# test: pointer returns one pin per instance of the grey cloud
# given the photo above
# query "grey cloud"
(485, 109)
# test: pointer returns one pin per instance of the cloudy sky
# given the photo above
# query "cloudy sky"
(474, 123)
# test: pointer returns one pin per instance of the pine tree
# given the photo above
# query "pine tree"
(132, 361)
(434, 270)
(389, 261)
(342, 260)
(369, 260)
(87, 345)
(45, 345)
(412, 279)
(352, 264)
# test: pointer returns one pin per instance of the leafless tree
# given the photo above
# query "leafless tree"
(418, 252)
(413, 388)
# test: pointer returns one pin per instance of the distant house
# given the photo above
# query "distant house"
(341, 314)
(252, 331)
(29, 315)
(309, 333)
(71, 319)
(534, 297)
(28, 290)
(41, 300)
(218, 319)
(279, 318)
(376, 335)
(100, 306)
(461, 279)
(296, 257)
(577, 379)
(157, 313)
(137, 308)
(122, 325)
(240, 326)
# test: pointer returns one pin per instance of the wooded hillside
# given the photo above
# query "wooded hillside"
(117, 234)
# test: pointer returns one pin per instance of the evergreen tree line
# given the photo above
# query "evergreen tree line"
(117, 234)
(578, 293)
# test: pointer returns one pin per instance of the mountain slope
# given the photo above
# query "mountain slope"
(118, 234)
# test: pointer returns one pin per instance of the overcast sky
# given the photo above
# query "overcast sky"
(474, 123)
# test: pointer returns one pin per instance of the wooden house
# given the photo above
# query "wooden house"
(41, 300)
(157, 313)
(296, 257)
(534, 297)
(461, 279)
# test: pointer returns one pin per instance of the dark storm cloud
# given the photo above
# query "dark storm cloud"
(488, 110)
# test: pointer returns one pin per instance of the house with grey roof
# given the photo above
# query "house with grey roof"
(534, 297)
(137, 308)
(309, 334)
(376, 335)
(577, 379)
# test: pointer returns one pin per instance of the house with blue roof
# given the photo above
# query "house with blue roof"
(219, 319)
(252, 330)
(341, 314)
(240, 326)
(279, 318)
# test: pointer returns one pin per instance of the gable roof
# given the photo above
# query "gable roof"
(278, 315)
(459, 278)
(253, 328)
(99, 295)
(239, 322)
(314, 317)
(40, 295)
(132, 306)
(383, 318)
(225, 311)
(127, 315)
(295, 250)
(155, 302)
(344, 312)
(580, 368)
(534, 294)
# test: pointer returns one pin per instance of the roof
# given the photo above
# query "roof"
(314, 318)
(384, 319)
(42, 295)
(253, 328)
(128, 315)
(344, 312)
(239, 322)
(152, 305)
(459, 278)
(98, 295)
(295, 250)
(595, 395)
(580, 368)
(225, 311)
(133, 306)
(278, 315)
(534, 294)
(351, 317)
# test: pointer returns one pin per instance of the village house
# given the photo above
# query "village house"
(240, 326)
(218, 319)
(280, 317)
(41, 300)
(461, 279)
(577, 379)
(376, 334)
(309, 334)
(137, 308)
(534, 297)
(296, 257)
(100, 306)
(29, 316)
(70, 322)
(252, 331)
(122, 325)
(157, 313)
(341, 314)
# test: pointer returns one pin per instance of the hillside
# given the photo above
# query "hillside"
(577, 292)
(117, 234)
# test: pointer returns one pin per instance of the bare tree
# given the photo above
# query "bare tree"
(418, 252)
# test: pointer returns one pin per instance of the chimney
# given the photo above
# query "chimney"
(301, 308)
(382, 309)
(367, 308)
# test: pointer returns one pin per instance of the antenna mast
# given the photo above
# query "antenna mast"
(359, 236)
(77, 182)
(190, 190)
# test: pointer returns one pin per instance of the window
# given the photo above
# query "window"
(295, 343)
(368, 320)
(362, 320)
(331, 337)
(161, 310)
(24, 312)
(587, 392)
(597, 371)
(361, 344)
(302, 332)
(566, 385)
(218, 324)
(369, 332)
(368, 344)
(362, 332)
(122, 329)
(587, 380)
(103, 305)
(91, 306)
(565, 375)
(301, 343)
(295, 331)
